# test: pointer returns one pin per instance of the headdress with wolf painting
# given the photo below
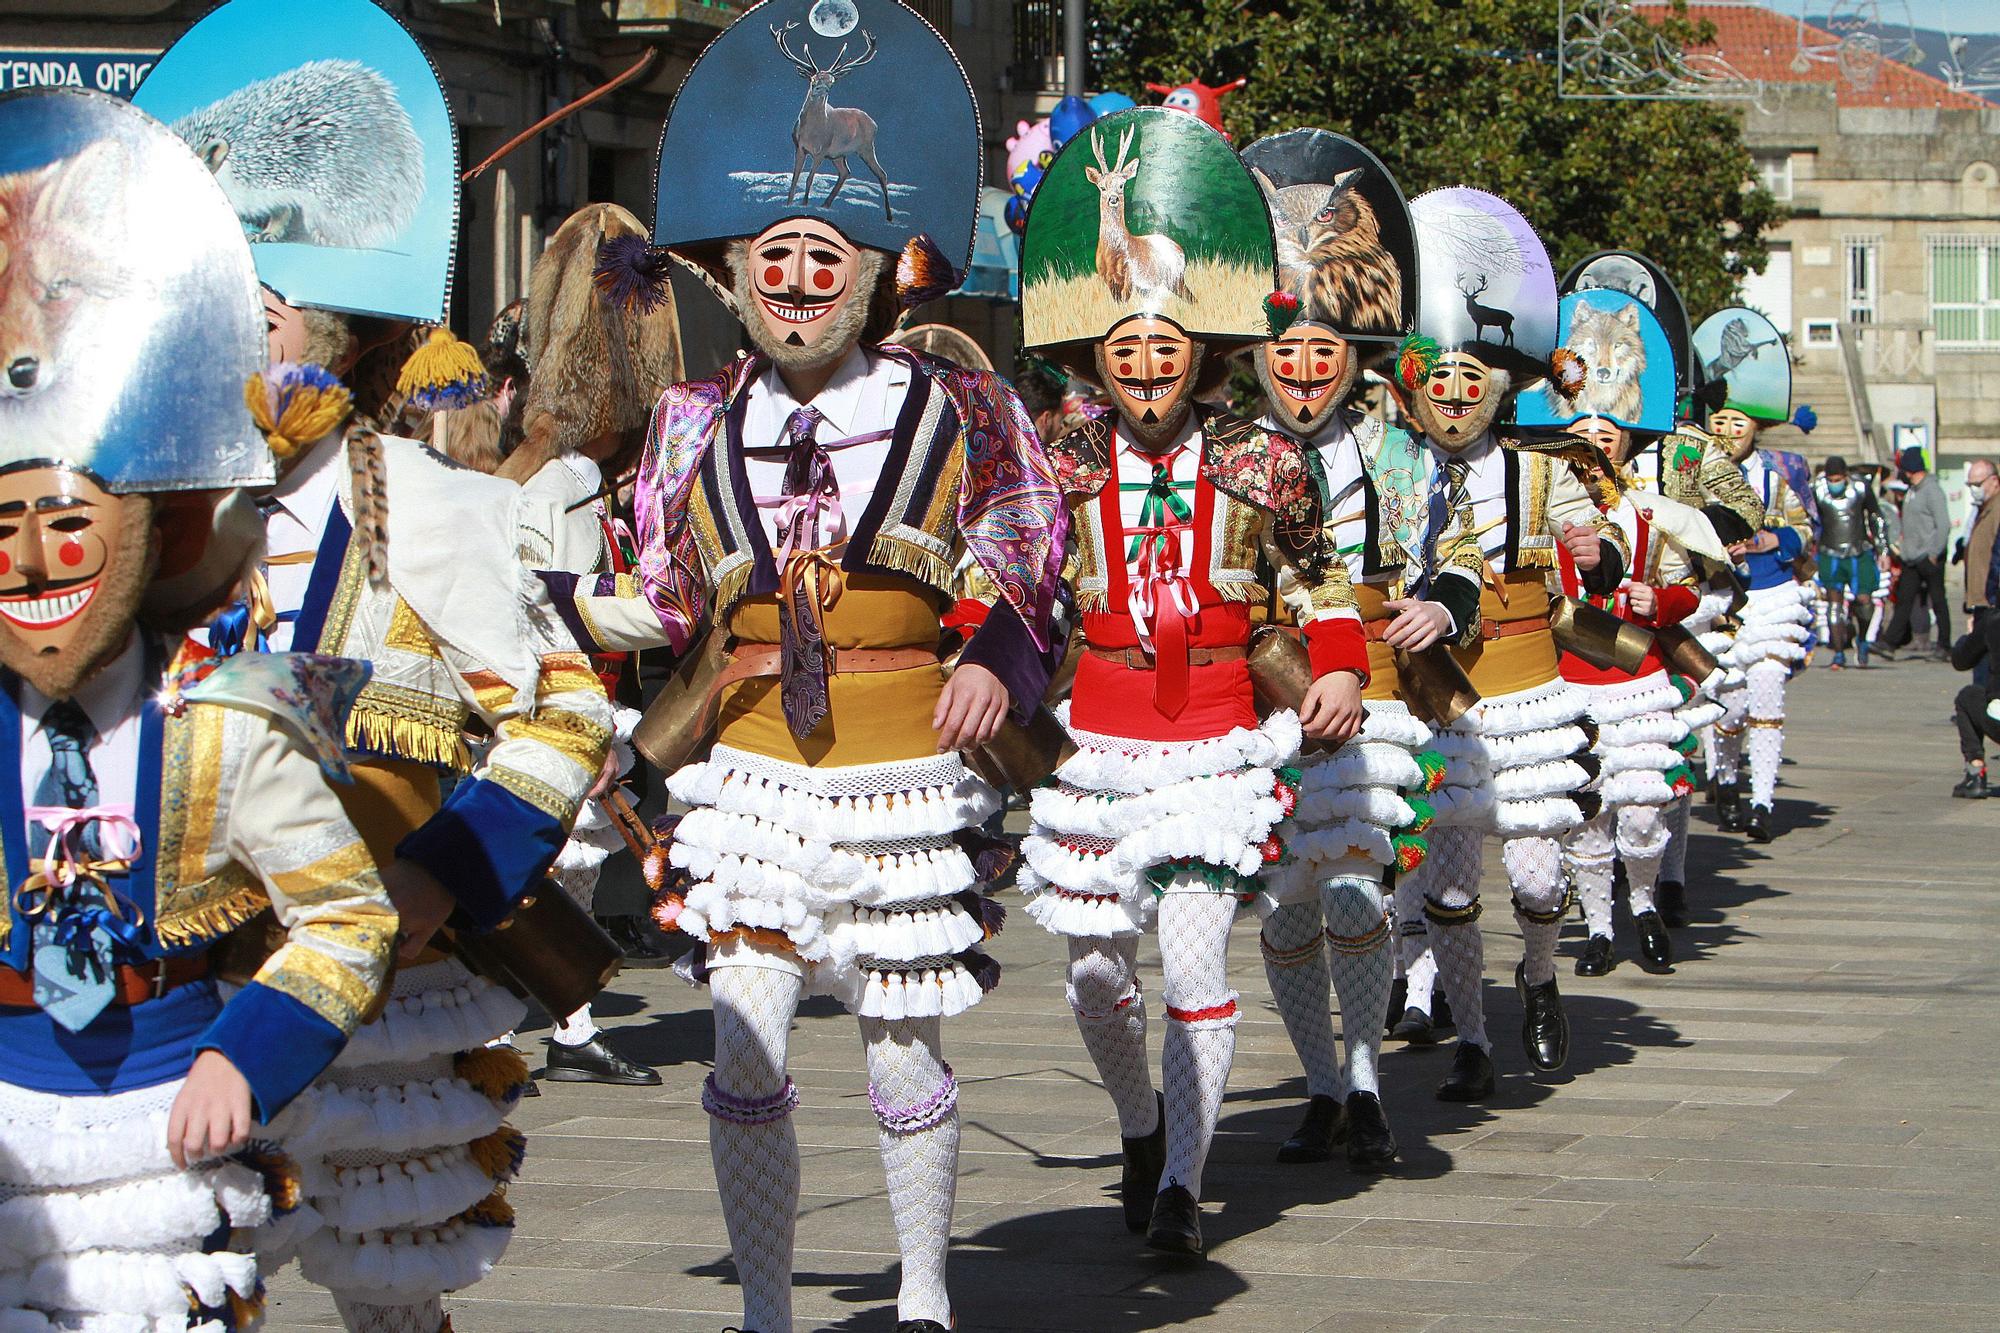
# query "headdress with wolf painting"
(1628, 367)
(120, 254)
(1632, 273)
(1346, 247)
(852, 111)
(326, 124)
(1147, 212)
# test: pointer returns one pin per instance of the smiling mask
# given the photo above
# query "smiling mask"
(1148, 365)
(803, 291)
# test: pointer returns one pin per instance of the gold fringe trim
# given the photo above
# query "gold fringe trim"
(908, 558)
(422, 741)
(730, 589)
(1246, 591)
(178, 927)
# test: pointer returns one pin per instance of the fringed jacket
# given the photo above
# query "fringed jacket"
(456, 632)
(234, 816)
(964, 473)
(1258, 492)
(1694, 467)
(1543, 493)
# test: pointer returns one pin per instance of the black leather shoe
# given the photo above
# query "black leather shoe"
(1325, 1125)
(1757, 824)
(1656, 949)
(639, 941)
(1596, 960)
(1370, 1145)
(1471, 1076)
(594, 1062)
(1145, 1158)
(1399, 996)
(1670, 897)
(1729, 807)
(1544, 1026)
(1176, 1226)
(1972, 787)
(1415, 1027)
(921, 1326)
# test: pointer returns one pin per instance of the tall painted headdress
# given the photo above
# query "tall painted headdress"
(132, 319)
(852, 111)
(1637, 276)
(1347, 250)
(326, 126)
(1146, 212)
(1486, 286)
(1746, 351)
(1628, 367)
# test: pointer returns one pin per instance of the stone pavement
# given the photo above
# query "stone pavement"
(1795, 1131)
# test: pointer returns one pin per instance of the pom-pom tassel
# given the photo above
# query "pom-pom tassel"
(444, 373)
(633, 274)
(493, 1211)
(295, 404)
(1567, 369)
(1805, 419)
(1281, 311)
(279, 1173)
(983, 967)
(371, 500)
(990, 913)
(1416, 358)
(923, 274)
(499, 1155)
(498, 1072)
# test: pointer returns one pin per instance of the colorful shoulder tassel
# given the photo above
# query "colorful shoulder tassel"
(442, 374)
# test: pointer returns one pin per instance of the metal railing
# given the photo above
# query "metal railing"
(1038, 43)
(1895, 352)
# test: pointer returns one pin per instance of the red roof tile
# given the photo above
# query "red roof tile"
(1762, 44)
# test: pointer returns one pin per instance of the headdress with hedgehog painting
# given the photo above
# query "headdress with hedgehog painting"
(600, 355)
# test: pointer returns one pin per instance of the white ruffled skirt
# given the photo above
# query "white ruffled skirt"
(404, 1144)
(1530, 740)
(1124, 818)
(100, 1230)
(1639, 732)
(858, 866)
(1354, 804)
(1777, 621)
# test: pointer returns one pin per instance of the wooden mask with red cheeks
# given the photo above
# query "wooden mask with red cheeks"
(1609, 436)
(803, 291)
(1306, 374)
(1736, 430)
(1458, 402)
(74, 560)
(1148, 365)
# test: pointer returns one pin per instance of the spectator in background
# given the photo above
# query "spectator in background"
(1976, 723)
(1926, 534)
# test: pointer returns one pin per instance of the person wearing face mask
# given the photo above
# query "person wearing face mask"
(153, 800)
(1635, 701)
(1175, 800)
(1743, 350)
(1362, 807)
(1851, 539)
(1926, 535)
(806, 511)
(1487, 319)
(1973, 708)
(380, 551)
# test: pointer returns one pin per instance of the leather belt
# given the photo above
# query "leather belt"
(130, 985)
(1502, 629)
(750, 660)
(1138, 659)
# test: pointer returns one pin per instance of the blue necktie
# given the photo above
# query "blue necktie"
(73, 958)
(1447, 494)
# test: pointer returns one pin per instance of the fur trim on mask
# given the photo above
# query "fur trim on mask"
(1198, 371)
(1285, 411)
(598, 366)
(851, 323)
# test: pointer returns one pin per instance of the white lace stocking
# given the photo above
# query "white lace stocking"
(1415, 962)
(1111, 1016)
(1358, 949)
(1587, 852)
(1450, 878)
(1725, 751)
(362, 1317)
(1534, 869)
(916, 1108)
(1673, 861)
(1295, 963)
(1200, 1043)
(1642, 845)
(1766, 728)
(750, 1136)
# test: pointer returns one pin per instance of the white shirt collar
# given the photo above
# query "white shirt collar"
(306, 490)
(109, 697)
(1190, 430)
(838, 404)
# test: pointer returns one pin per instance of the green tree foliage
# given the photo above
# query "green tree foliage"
(1463, 92)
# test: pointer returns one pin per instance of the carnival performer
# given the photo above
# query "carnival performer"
(1743, 349)
(153, 804)
(1852, 540)
(805, 509)
(598, 369)
(1172, 804)
(1694, 467)
(380, 551)
(1634, 700)
(1524, 748)
(1362, 807)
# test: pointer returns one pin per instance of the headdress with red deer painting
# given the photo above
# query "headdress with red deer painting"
(1126, 261)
